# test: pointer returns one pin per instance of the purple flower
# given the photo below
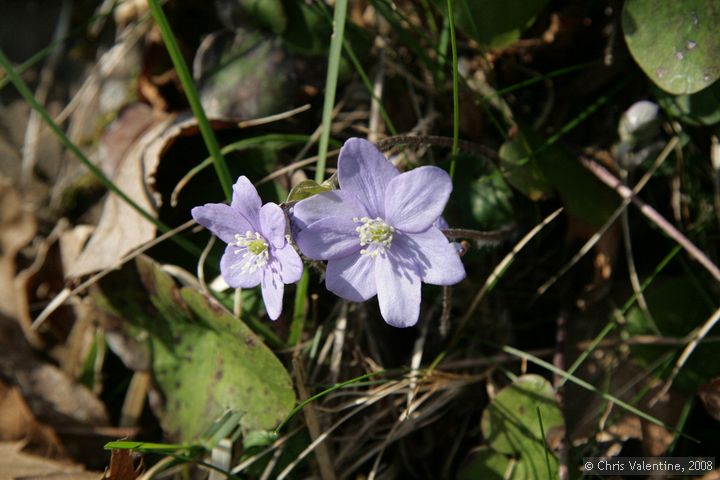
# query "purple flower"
(378, 234)
(257, 250)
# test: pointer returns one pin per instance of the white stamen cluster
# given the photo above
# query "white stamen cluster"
(254, 251)
(375, 234)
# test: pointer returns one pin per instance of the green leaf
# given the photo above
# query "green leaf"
(511, 427)
(584, 195)
(675, 42)
(306, 189)
(701, 108)
(496, 24)
(244, 73)
(484, 463)
(204, 360)
(522, 170)
(490, 201)
(259, 438)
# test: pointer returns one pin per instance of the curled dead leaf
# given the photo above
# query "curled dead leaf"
(710, 396)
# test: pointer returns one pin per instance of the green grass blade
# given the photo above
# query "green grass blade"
(25, 92)
(337, 386)
(545, 443)
(193, 98)
(298, 321)
(336, 44)
(456, 100)
(587, 386)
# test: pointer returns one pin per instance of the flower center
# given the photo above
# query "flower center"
(254, 251)
(375, 234)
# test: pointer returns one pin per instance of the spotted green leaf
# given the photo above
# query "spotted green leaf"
(204, 360)
(675, 42)
(511, 426)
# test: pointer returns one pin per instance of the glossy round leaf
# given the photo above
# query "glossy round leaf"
(675, 42)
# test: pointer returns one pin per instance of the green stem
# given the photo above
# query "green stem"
(298, 321)
(456, 100)
(193, 98)
(23, 89)
(336, 44)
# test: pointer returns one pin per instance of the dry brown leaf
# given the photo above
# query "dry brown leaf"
(17, 229)
(121, 229)
(17, 422)
(14, 464)
(122, 466)
(627, 383)
(53, 397)
(130, 155)
(710, 396)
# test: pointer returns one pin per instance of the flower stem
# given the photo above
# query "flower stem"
(487, 235)
(193, 98)
(336, 44)
(456, 101)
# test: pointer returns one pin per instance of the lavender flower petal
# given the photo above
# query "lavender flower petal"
(289, 265)
(231, 269)
(351, 277)
(437, 259)
(246, 199)
(417, 198)
(222, 220)
(272, 224)
(272, 293)
(326, 204)
(398, 291)
(329, 238)
(365, 172)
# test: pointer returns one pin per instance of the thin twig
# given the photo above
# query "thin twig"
(323, 453)
(480, 236)
(687, 351)
(611, 220)
(47, 77)
(274, 117)
(435, 141)
(67, 293)
(559, 362)
(610, 180)
(632, 271)
(500, 269)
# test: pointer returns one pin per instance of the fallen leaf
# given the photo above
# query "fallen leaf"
(17, 422)
(122, 466)
(17, 229)
(133, 173)
(132, 160)
(204, 360)
(15, 464)
(710, 396)
(53, 397)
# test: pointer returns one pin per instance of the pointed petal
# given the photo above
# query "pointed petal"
(222, 220)
(272, 224)
(437, 259)
(417, 198)
(287, 263)
(326, 204)
(272, 293)
(328, 238)
(398, 290)
(352, 277)
(246, 199)
(365, 172)
(231, 270)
